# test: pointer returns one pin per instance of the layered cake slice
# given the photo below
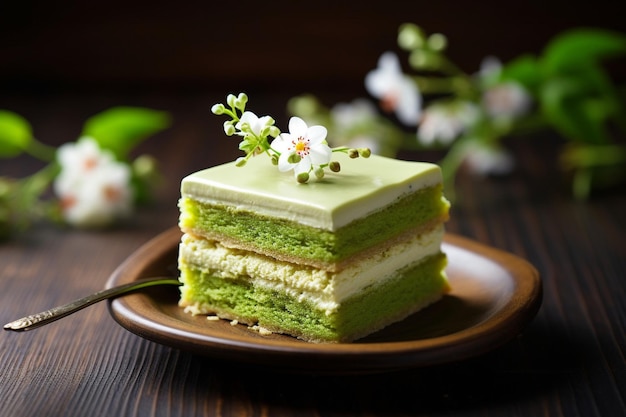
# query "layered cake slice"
(332, 260)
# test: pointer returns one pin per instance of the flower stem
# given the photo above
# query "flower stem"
(41, 151)
(444, 85)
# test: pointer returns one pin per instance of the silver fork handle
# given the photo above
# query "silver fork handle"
(39, 319)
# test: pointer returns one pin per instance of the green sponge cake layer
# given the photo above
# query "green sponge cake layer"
(406, 198)
(287, 240)
(371, 309)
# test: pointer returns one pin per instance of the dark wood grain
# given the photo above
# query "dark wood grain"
(568, 362)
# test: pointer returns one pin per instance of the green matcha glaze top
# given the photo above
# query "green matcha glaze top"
(363, 186)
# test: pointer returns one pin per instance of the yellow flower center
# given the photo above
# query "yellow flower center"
(301, 146)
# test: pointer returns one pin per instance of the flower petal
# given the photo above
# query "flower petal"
(375, 83)
(389, 61)
(409, 109)
(316, 134)
(259, 124)
(303, 166)
(281, 143)
(320, 154)
(384, 78)
(247, 117)
(283, 162)
(297, 127)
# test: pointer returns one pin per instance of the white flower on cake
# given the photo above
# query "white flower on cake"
(94, 188)
(257, 124)
(396, 91)
(303, 149)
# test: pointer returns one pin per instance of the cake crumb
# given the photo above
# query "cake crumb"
(212, 318)
(261, 330)
(234, 322)
(193, 310)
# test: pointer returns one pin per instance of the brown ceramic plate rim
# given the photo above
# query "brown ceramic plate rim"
(141, 314)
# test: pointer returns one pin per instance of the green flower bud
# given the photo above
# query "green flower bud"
(145, 166)
(241, 161)
(229, 128)
(246, 146)
(423, 59)
(410, 37)
(365, 152)
(274, 159)
(319, 172)
(230, 100)
(274, 131)
(294, 158)
(334, 166)
(353, 153)
(240, 102)
(303, 177)
(218, 109)
(437, 42)
(245, 127)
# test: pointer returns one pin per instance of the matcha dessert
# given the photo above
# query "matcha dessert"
(332, 259)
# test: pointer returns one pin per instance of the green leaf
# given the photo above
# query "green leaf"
(120, 129)
(573, 112)
(525, 70)
(578, 96)
(578, 47)
(15, 134)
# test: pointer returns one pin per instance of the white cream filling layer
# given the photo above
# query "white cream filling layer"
(323, 289)
(361, 188)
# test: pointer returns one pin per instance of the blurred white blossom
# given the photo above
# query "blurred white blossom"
(94, 188)
(490, 70)
(444, 122)
(488, 160)
(508, 100)
(347, 115)
(81, 157)
(565, 89)
(348, 120)
(396, 91)
(502, 100)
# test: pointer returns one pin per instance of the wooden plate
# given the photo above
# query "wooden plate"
(494, 295)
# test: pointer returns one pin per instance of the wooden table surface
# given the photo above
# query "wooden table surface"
(568, 362)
